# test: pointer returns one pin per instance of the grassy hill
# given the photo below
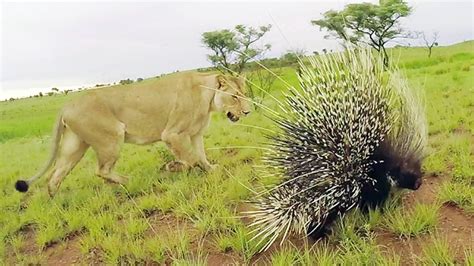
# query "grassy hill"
(192, 218)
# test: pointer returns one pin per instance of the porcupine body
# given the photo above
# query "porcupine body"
(347, 134)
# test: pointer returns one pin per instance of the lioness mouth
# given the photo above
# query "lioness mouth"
(232, 117)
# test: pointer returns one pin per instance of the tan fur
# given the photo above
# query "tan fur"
(175, 110)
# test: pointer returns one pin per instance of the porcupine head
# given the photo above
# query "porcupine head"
(407, 174)
(403, 168)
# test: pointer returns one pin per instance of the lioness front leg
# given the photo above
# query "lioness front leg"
(181, 147)
(198, 145)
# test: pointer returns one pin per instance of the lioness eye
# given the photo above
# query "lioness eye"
(235, 97)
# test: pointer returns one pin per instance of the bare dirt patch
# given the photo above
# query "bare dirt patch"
(222, 259)
(67, 252)
(454, 225)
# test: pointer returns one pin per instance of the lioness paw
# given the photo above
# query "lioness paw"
(175, 166)
(209, 167)
(213, 167)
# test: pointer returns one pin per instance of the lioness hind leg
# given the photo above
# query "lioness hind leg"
(107, 157)
(70, 153)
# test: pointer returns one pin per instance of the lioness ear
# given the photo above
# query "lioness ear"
(220, 80)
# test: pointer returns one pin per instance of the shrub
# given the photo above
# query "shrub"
(125, 81)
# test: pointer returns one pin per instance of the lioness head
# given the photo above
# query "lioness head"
(230, 97)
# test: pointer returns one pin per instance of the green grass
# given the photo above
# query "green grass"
(469, 257)
(459, 193)
(406, 223)
(437, 252)
(117, 223)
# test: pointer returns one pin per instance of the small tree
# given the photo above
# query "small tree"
(430, 43)
(373, 24)
(259, 82)
(233, 49)
(139, 79)
(40, 94)
(55, 89)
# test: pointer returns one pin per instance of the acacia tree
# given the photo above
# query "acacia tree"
(233, 49)
(373, 24)
(430, 43)
(259, 82)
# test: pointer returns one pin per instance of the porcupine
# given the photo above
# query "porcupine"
(351, 132)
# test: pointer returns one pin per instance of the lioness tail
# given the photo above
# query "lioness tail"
(22, 185)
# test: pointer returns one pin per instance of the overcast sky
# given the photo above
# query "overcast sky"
(64, 45)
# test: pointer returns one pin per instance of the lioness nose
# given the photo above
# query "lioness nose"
(246, 112)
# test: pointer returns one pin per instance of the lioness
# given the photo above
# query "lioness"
(175, 109)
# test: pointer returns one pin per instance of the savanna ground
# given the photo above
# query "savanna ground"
(193, 218)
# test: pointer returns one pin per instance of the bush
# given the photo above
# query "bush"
(125, 81)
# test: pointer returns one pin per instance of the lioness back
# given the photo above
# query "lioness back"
(145, 108)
